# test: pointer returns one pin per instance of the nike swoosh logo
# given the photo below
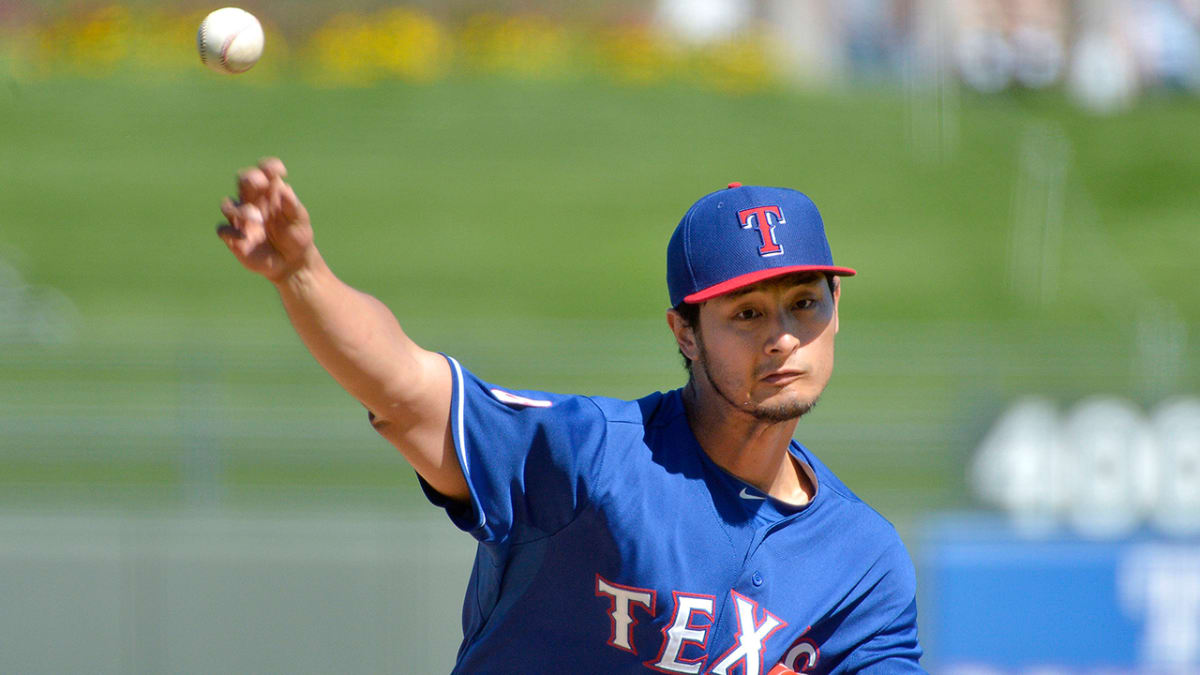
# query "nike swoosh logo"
(745, 494)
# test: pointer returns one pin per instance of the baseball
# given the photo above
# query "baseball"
(230, 40)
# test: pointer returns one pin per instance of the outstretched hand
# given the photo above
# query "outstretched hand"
(268, 229)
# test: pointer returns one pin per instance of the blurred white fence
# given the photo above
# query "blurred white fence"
(352, 593)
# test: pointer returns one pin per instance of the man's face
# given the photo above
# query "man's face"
(767, 349)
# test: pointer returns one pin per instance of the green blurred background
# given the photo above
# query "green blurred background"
(1007, 243)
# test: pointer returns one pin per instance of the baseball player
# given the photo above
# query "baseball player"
(683, 532)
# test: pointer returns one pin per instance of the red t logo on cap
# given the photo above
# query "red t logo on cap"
(760, 217)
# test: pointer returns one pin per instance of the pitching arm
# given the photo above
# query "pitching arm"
(351, 334)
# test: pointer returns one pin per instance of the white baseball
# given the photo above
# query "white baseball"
(230, 40)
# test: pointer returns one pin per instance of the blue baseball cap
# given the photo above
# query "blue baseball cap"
(742, 235)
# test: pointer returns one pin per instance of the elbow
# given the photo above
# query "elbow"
(380, 423)
(390, 419)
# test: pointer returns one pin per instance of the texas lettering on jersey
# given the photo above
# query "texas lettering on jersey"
(686, 634)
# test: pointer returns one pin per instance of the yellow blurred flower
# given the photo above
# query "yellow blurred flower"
(401, 42)
(525, 45)
(93, 43)
(408, 43)
(352, 48)
(735, 66)
(338, 49)
(163, 41)
(635, 54)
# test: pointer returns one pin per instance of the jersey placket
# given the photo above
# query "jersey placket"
(739, 613)
(746, 625)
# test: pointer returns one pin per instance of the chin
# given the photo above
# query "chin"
(784, 409)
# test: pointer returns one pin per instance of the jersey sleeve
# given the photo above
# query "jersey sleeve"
(894, 649)
(892, 603)
(529, 458)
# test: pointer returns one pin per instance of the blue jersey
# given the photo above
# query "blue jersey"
(609, 542)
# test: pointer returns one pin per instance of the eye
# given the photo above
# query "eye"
(806, 303)
(747, 314)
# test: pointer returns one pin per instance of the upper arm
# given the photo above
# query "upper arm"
(889, 612)
(418, 424)
(507, 465)
(894, 649)
(528, 460)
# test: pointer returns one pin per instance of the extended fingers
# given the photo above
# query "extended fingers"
(253, 185)
(229, 234)
(290, 206)
(229, 209)
(241, 215)
(264, 186)
(267, 209)
(245, 229)
(274, 172)
(272, 167)
(250, 217)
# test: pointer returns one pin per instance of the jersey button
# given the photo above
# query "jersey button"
(756, 579)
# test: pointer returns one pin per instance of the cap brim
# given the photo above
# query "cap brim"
(752, 278)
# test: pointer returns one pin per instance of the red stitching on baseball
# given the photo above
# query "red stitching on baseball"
(229, 43)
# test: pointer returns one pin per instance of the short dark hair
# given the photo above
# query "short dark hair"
(690, 313)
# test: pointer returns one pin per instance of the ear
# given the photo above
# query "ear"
(685, 337)
(837, 296)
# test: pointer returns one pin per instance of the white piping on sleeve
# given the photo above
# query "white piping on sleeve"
(460, 436)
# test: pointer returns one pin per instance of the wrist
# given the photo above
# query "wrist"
(304, 275)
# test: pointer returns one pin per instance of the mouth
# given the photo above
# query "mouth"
(781, 377)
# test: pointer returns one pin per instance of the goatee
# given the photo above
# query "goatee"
(767, 412)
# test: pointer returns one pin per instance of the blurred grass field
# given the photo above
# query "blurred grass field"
(1005, 246)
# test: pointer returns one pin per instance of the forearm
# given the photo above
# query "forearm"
(356, 339)
(353, 335)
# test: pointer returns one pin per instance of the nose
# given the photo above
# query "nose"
(785, 334)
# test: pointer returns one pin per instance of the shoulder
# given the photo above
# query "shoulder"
(654, 409)
(471, 391)
(874, 575)
(840, 494)
(875, 537)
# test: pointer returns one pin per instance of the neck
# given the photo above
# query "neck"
(752, 449)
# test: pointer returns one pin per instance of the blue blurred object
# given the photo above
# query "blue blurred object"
(995, 600)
